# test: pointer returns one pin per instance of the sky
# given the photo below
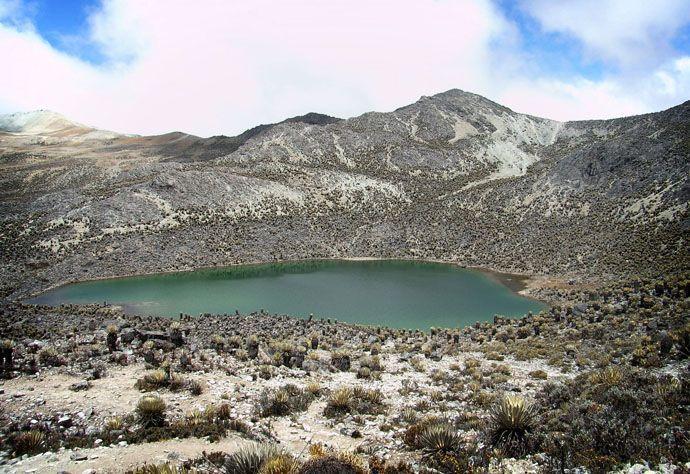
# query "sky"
(211, 67)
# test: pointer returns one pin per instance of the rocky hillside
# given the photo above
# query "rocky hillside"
(453, 176)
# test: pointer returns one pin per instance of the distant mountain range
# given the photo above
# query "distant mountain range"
(175, 144)
(454, 176)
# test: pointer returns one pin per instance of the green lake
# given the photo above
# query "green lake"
(396, 293)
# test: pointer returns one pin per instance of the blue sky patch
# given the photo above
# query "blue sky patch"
(64, 24)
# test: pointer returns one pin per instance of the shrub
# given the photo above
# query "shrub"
(539, 375)
(176, 336)
(356, 400)
(195, 417)
(6, 353)
(380, 466)
(314, 388)
(265, 371)
(277, 403)
(314, 340)
(363, 373)
(28, 442)
(334, 463)
(224, 412)
(681, 337)
(598, 421)
(151, 411)
(340, 402)
(217, 343)
(418, 364)
(367, 396)
(166, 468)
(414, 432)
(175, 383)
(50, 357)
(462, 461)
(439, 438)
(195, 387)
(250, 459)
(280, 464)
(159, 379)
(239, 426)
(372, 363)
(115, 423)
(511, 419)
(111, 337)
(340, 360)
(408, 415)
(234, 342)
(608, 377)
(283, 401)
(152, 380)
(493, 355)
(241, 355)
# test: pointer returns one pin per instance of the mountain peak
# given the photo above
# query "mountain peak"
(36, 122)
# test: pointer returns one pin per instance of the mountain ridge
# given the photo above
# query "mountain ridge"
(453, 177)
(316, 118)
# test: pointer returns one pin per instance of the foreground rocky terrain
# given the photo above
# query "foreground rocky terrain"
(453, 177)
(593, 386)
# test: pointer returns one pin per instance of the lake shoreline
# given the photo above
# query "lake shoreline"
(518, 283)
(423, 295)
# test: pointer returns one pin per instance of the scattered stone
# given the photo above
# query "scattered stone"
(80, 386)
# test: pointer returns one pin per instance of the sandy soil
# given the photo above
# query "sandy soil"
(120, 458)
(116, 395)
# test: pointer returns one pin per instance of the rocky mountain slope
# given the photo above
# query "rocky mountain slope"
(453, 176)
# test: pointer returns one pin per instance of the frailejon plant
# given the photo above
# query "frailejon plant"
(439, 438)
(512, 418)
(250, 459)
(151, 411)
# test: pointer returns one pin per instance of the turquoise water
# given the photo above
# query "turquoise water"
(404, 294)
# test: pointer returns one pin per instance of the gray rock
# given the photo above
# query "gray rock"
(154, 335)
(436, 355)
(80, 386)
(128, 335)
(65, 421)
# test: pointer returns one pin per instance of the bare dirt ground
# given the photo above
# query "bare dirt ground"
(116, 395)
(120, 458)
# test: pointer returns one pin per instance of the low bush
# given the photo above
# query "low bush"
(605, 418)
(283, 401)
(356, 400)
(151, 411)
(27, 442)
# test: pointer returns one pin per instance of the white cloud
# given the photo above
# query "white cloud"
(574, 100)
(220, 67)
(615, 96)
(630, 32)
(674, 79)
(224, 66)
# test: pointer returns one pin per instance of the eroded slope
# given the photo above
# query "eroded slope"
(453, 176)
